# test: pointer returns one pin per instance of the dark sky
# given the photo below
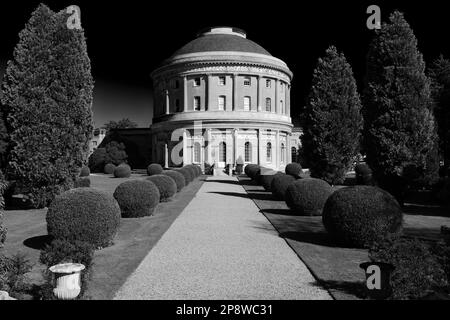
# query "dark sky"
(128, 39)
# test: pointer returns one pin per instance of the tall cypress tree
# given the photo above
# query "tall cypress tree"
(47, 98)
(399, 128)
(439, 73)
(332, 119)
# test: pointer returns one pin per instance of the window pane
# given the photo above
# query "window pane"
(268, 104)
(247, 103)
(269, 152)
(222, 103)
(248, 152)
(247, 81)
(197, 150)
(222, 152)
(197, 103)
(221, 81)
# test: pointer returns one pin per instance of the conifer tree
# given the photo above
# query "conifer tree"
(332, 119)
(47, 97)
(440, 78)
(399, 128)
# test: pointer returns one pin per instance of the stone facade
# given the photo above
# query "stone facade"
(221, 99)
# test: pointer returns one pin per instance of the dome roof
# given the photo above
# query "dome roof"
(221, 39)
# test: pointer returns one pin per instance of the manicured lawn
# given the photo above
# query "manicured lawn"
(334, 268)
(27, 233)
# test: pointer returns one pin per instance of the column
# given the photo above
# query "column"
(166, 156)
(235, 143)
(288, 101)
(277, 149)
(167, 102)
(208, 103)
(235, 101)
(260, 86)
(185, 148)
(276, 95)
(260, 143)
(288, 146)
(208, 145)
(185, 94)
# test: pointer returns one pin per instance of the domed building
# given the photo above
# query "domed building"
(222, 99)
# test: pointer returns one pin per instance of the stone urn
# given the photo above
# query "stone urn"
(5, 296)
(67, 280)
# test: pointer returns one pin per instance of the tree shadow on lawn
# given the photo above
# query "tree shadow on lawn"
(426, 210)
(224, 181)
(356, 289)
(251, 196)
(38, 243)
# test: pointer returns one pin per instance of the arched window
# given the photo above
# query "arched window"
(269, 152)
(268, 104)
(283, 153)
(294, 154)
(248, 152)
(222, 152)
(197, 150)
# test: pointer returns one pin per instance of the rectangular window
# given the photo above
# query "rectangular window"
(197, 103)
(222, 105)
(247, 103)
(268, 83)
(268, 104)
(247, 81)
(222, 81)
(197, 82)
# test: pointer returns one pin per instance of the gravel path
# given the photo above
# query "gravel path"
(221, 247)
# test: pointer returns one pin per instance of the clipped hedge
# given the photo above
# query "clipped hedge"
(109, 168)
(122, 171)
(262, 171)
(306, 197)
(188, 177)
(363, 174)
(294, 169)
(137, 198)
(166, 185)
(85, 172)
(418, 271)
(193, 171)
(199, 170)
(177, 177)
(82, 182)
(84, 214)
(267, 177)
(251, 170)
(279, 185)
(154, 168)
(361, 215)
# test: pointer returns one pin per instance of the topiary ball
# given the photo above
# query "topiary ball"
(122, 171)
(279, 185)
(109, 168)
(84, 214)
(137, 198)
(83, 182)
(154, 168)
(251, 170)
(193, 171)
(177, 177)
(266, 179)
(362, 215)
(363, 174)
(199, 170)
(166, 185)
(187, 175)
(306, 197)
(294, 169)
(262, 171)
(85, 172)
